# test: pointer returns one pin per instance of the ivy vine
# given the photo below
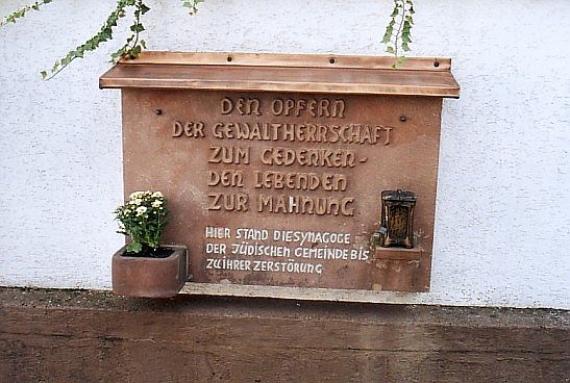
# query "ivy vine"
(397, 37)
(18, 14)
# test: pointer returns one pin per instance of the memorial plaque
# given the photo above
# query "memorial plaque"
(282, 187)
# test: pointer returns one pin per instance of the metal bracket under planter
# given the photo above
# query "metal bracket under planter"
(145, 277)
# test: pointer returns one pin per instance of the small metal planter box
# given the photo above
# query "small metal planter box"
(274, 165)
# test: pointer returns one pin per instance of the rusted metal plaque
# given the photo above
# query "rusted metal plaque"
(285, 188)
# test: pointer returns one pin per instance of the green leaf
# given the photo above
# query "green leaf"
(387, 35)
(395, 12)
(192, 4)
(144, 9)
(134, 247)
(137, 28)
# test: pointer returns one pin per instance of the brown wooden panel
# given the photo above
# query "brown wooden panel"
(112, 360)
(68, 336)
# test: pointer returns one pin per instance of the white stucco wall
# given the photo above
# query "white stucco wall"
(503, 214)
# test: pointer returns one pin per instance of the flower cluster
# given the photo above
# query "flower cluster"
(143, 218)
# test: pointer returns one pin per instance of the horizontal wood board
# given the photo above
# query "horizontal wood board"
(81, 336)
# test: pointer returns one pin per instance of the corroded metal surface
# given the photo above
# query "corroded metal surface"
(397, 228)
(284, 188)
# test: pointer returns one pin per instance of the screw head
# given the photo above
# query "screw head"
(403, 118)
(158, 112)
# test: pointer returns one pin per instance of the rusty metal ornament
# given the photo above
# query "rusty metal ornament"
(397, 227)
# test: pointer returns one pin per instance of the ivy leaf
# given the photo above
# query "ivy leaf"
(192, 4)
(144, 9)
(395, 11)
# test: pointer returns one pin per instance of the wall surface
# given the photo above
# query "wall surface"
(503, 219)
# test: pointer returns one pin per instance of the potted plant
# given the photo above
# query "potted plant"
(144, 267)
